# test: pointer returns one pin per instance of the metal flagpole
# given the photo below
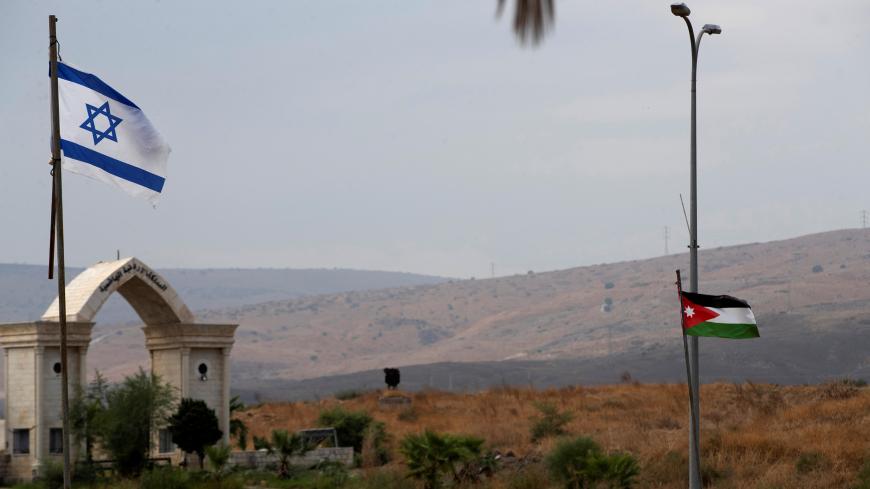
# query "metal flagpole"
(57, 200)
(693, 394)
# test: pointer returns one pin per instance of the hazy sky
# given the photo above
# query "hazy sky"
(418, 136)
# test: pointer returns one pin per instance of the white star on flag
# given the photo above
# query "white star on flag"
(689, 311)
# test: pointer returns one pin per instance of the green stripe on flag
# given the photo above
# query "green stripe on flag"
(724, 330)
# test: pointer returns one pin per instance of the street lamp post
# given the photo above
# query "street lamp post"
(682, 10)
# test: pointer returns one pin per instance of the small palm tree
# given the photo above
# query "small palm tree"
(430, 454)
(532, 19)
(284, 445)
(218, 456)
(238, 428)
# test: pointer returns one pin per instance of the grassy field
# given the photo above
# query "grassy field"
(753, 436)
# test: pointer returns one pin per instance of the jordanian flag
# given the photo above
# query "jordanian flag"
(721, 316)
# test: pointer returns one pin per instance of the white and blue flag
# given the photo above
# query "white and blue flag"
(104, 135)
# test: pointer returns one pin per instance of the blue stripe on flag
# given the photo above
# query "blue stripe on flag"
(111, 165)
(88, 80)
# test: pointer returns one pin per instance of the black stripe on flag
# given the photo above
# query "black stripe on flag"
(717, 301)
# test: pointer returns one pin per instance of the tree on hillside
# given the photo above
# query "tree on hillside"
(532, 19)
(134, 410)
(194, 426)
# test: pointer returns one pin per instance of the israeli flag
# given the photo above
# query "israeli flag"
(104, 135)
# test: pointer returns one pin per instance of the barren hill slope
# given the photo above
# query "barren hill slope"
(587, 312)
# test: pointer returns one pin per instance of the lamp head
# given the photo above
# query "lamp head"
(711, 29)
(680, 9)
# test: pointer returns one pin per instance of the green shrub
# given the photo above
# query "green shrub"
(551, 422)
(165, 478)
(580, 464)
(284, 445)
(218, 456)
(133, 410)
(51, 475)
(353, 428)
(429, 455)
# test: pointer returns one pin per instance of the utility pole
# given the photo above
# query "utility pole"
(864, 219)
(492, 269)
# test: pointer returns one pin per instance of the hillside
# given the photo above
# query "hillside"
(26, 292)
(584, 324)
(594, 312)
(752, 435)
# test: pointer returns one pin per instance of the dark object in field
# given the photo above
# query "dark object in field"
(391, 377)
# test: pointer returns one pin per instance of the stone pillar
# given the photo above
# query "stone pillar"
(225, 394)
(36, 451)
(185, 372)
(83, 368)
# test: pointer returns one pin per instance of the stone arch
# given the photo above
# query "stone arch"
(150, 295)
(176, 343)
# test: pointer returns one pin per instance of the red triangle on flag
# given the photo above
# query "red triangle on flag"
(693, 314)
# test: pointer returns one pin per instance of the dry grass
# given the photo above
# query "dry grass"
(753, 436)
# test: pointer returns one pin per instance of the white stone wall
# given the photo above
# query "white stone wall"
(20, 400)
(208, 390)
(51, 389)
(167, 364)
(20, 396)
(260, 459)
(20, 388)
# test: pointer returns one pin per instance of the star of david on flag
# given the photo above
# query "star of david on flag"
(104, 135)
(90, 124)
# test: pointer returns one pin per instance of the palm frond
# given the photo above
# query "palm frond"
(532, 19)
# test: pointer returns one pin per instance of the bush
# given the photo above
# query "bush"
(165, 478)
(551, 422)
(580, 464)
(218, 456)
(817, 269)
(51, 475)
(429, 455)
(352, 428)
(283, 445)
(609, 285)
(134, 409)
